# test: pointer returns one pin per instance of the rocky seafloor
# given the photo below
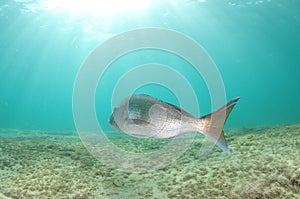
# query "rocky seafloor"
(264, 163)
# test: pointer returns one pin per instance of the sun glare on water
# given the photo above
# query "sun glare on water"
(97, 7)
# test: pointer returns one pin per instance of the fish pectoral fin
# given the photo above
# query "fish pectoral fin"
(140, 122)
(158, 112)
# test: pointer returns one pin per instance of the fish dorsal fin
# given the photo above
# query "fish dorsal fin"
(180, 110)
(176, 107)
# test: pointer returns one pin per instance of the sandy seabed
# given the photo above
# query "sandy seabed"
(264, 163)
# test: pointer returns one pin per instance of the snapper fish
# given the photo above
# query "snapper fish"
(145, 116)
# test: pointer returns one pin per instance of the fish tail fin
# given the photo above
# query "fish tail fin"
(212, 124)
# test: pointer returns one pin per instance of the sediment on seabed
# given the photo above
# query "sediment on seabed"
(264, 163)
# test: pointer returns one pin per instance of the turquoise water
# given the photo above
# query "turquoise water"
(255, 45)
(44, 45)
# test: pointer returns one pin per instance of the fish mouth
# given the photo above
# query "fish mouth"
(113, 123)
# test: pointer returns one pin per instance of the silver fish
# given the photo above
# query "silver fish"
(144, 116)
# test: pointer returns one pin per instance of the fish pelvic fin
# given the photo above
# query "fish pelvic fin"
(212, 124)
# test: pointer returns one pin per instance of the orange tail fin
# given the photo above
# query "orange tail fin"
(213, 124)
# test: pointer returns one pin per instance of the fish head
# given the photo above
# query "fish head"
(119, 117)
(113, 123)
